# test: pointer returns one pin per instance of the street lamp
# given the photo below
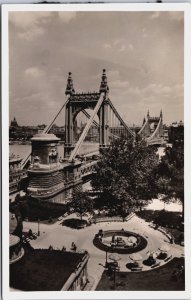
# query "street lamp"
(106, 258)
(38, 227)
(115, 257)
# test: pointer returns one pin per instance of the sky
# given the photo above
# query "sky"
(142, 52)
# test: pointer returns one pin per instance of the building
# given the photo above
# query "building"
(17, 176)
(16, 250)
(49, 178)
(25, 133)
(176, 133)
(14, 123)
(50, 270)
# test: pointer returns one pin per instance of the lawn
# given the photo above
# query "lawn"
(43, 270)
(159, 279)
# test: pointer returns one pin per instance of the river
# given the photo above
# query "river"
(23, 150)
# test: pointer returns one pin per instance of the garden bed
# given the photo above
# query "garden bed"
(75, 223)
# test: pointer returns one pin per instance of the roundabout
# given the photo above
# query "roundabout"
(119, 241)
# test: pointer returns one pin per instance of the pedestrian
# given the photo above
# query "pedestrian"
(75, 248)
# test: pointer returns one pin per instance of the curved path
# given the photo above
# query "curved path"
(59, 236)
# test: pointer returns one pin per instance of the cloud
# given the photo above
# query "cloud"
(176, 15)
(34, 72)
(155, 15)
(66, 17)
(28, 19)
(118, 41)
(131, 47)
(122, 48)
(33, 24)
(45, 46)
(31, 33)
(115, 81)
(118, 84)
(107, 46)
(119, 44)
(30, 24)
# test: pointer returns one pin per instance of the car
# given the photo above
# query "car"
(60, 218)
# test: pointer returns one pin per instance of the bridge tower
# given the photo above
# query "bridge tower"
(153, 136)
(78, 102)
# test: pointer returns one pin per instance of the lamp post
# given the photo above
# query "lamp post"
(38, 227)
(106, 258)
(115, 257)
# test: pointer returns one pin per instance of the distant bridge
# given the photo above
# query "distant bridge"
(152, 130)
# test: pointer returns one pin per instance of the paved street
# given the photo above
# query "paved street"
(59, 236)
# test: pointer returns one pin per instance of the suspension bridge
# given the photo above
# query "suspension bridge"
(53, 178)
(152, 130)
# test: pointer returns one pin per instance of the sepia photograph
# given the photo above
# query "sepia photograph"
(96, 150)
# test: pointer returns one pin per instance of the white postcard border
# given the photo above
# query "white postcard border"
(7, 294)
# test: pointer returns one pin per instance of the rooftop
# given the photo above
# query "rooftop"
(48, 269)
(13, 240)
(45, 137)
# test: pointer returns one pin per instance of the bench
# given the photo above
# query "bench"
(136, 269)
(168, 258)
(156, 265)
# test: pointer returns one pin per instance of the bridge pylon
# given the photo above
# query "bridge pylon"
(152, 130)
(78, 102)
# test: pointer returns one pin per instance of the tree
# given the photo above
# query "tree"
(170, 175)
(125, 174)
(81, 203)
